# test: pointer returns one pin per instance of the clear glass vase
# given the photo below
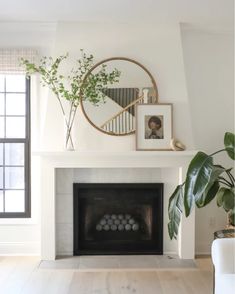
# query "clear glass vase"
(68, 140)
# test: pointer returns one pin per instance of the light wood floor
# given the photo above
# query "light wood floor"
(22, 275)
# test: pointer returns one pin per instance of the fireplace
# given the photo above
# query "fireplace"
(118, 219)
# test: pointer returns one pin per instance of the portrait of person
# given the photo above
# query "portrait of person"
(154, 127)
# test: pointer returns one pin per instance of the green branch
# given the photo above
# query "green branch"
(93, 91)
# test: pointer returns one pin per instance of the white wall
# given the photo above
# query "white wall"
(158, 47)
(208, 57)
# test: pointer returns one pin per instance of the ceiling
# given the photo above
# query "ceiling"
(207, 12)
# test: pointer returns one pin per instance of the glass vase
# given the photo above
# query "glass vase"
(68, 140)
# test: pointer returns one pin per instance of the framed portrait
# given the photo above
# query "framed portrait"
(153, 126)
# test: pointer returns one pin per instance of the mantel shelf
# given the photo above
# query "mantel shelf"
(113, 153)
(122, 159)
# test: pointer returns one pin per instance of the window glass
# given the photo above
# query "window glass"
(1, 201)
(2, 103)
(2, 127)
(14, 177)
(1, 177)
(14, 141)
(15, 83)
(15, 127)
(14, 201)
(15, 104)
(14, 154)
(1, 154)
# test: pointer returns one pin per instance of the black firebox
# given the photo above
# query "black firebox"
(118, 219)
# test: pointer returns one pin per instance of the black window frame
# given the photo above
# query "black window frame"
(27, 154)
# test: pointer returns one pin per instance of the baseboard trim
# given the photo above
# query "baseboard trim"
(20, 249)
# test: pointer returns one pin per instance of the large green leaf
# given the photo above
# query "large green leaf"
(174, 211)
(228, 199)
(220, 195)
(208, 195)
(229, 143)
(217, 170)
(197, 179)
(212, 187)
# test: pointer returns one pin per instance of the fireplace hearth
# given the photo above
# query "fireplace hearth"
(118, 219)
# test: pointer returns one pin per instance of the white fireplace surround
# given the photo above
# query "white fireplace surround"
(170, 168)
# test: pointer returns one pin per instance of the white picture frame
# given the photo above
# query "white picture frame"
(154, 126)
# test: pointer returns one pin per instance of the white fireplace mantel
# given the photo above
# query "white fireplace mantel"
(83, 159)
(50, 161)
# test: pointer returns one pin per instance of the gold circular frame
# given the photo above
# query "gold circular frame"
(107, 60)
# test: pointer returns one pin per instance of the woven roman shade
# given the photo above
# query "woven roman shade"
(10, 59)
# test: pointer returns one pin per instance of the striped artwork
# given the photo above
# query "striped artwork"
(124, 121)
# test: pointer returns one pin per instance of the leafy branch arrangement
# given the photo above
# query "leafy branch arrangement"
(70, 87)
(204, 182)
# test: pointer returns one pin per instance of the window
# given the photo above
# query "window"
(14, 146)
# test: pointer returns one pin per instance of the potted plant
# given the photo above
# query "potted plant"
(204, 182)
(68, 87)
